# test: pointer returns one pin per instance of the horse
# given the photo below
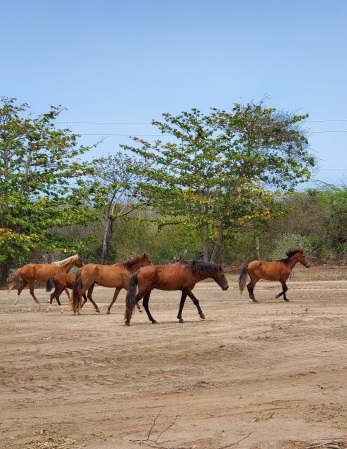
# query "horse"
(276, 270)
(61, 281)
(182, 275)
(116, 276)
(28, 274)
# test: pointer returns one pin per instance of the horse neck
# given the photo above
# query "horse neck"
(292, 262)
(203, 276)
(67, 267)
(136, 267)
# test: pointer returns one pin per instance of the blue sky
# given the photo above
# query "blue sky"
(124, 63)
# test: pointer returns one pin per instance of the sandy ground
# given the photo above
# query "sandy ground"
(268, 375)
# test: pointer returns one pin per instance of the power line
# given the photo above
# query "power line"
(122, 135)
(150, 123)
(107, 123)
(333, 131)
(166, 135)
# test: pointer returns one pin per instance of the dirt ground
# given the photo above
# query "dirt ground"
(268, 375)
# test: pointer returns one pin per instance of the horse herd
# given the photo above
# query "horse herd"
(139, 277)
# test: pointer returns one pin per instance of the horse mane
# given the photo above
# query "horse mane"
(202, 267)
(129, 264)
(289, 254)
(64, 262)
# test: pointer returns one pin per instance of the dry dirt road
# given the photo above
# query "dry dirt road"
(268, 375)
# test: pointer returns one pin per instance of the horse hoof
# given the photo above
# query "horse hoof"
(202, 316)
(181, 320)
(108, 312)
(97, 310)
(154, 322)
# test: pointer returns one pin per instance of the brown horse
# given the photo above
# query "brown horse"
(276, 270)
(113, 276)
(28, 274)
(182, 276)
(61, 282)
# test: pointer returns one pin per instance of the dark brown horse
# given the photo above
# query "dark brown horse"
(113, 276)
(276, 270)
(182, 276)
(28, 274)
(61, 282)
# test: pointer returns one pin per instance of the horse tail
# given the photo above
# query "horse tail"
(243, 278)
(76, 292)
(49, 284)
(131, 295)
(15, 279)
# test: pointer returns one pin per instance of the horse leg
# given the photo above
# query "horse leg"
(94, 304)
(51, 300)
(115, 296)
(250, 288)
(196, 303)
(20, 289)
(89, 296)
(57, 296)
(183, 300)
(138, 307)
(68, 293)
(283, 292)
(31, 290)
(145, 306)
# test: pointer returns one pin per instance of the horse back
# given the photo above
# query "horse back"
(166, 277)
(38, 272)
(64, 280)
(114, 276)
(274, 270)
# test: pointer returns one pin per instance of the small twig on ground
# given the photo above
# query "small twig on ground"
(154, 443)
(236, 442)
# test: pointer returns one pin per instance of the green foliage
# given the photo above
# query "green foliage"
(221, 171)
(41, 181)
(116, 179)
(288, 242)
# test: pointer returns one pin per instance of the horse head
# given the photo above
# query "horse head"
(303, 259)
(221, 279)
(78, 260)
(146, 259)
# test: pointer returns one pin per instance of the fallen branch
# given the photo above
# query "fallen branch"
(236, 442)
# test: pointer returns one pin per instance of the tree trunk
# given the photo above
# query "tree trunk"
(217, 245)
(257, 247)
(105, 239)
(204, 249)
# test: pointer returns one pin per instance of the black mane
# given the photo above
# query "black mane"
(202, 267)
(289, 254)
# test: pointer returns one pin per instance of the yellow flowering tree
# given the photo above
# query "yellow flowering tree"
(218, 171)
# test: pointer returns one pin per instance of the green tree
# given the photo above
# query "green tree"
(221, 171)
(115, 175)
(41, 183)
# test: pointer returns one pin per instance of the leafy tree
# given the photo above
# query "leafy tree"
(41, 183)
(223, 170)
(115, 175)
